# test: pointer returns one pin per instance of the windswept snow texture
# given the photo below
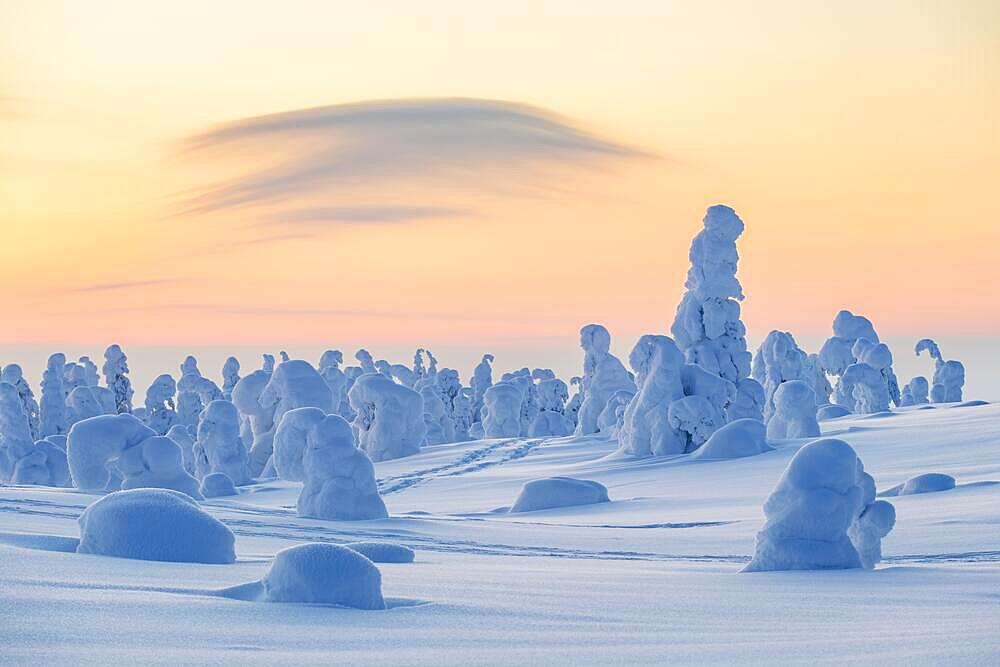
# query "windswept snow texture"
(154, 524)
(822, 514)
(551, 492)
(383, 552)
(743, 437)
(324, 574)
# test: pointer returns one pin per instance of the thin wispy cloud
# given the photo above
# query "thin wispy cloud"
(133, 284)
(334, 215)
(330, 153)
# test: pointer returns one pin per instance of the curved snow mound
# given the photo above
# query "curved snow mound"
(831, 411)
(743, 437)
(930, 482)
(542, 494)
(324, 573)
(217, 484)
(823, 514)
(154, 524)
(383, 552)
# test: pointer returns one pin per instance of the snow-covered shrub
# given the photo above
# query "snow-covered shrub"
(482, 379)
(817, 379)
(521, 379)
(837, 352)
(258, 428)
(217, 485)
(180, 435)
(462, 414)
(822, 514)
(646, 430)
(949, 376)
(160, 412)
(290, 441)
(219, 447)
(502, 411)
(230, 376)
(551, 492)
(339, 477)
(189, 406)
(603, 375)
(323, 573)
(550, 424)
(707, 326)
(383, 552)
(116, 378)
(854, 341)
(794, 412)
(879, 357)
(44, 465)
(21, 462)
(156, 463)
(915, 392)
(390, 417)
(13, 375)
(778, 359)
(95, 442)
(52, 411)
(737, 439)
(154, 524)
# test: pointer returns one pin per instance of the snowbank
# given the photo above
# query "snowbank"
(743, 437)
(383, 552)
(154, 524)
(929, 482)
(324, 573)
(216, 485)
(831, 411)
(541, 494)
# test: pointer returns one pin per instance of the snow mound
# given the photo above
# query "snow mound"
(970, 404)
(930, 482)
(541, 494)
(217, 484)
(822, 514)
(383, 552)
(154, 524)
(743, 437)
(324, 573)
(831, 411)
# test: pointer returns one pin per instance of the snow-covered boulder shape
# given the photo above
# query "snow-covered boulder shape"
(831, 411)
(230, 376)
(794, 412)
(390, 417)
(438, 426)
(646, 431)
(180, 435)
(383, 552)
(502, 411)
(290, 439)
(603, 375)
(339, 477)
(607, 422)
(707, 326)
(737, 439)
(217, 485)
(260, 418)
(915, 392)
(116, 378)
(219, 447)
(95, 442)
(822, 514)
(949, 376)
(551, 492)
(482, 379)
(930, 482)
(156, 463)
(160, 409)
(154, 524)
(52, 411)
(323, 573)
(778, 359)
(296, 384)
(13, 375)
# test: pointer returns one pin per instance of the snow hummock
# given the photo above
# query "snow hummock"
(551, 492)
(216, 485)
(323, 573)
(822, 514)
(831, 411)
(383, 552)
(928, 482)
(154, 524)
(339, 477)
(737, 439)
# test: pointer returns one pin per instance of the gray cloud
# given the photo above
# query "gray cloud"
(334, 150)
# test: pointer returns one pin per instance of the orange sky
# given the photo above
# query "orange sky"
(858, 143)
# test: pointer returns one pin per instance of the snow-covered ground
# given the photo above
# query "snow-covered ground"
(650, 577)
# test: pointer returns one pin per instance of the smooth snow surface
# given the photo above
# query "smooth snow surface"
(649, 578)
(544, 494)
(154, 524)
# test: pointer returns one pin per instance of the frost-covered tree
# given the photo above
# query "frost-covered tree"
(364, 358)
(116, 378)
(842, 351)
(915, 392)
(822, 514)
(609, 420)
(482, 379)
(879, 357)
(161, 413)
(749, 401)
(13, 375)
(74, 375)
(296, 384)
(390, 417)
(90, 375)
(230, 376)
(949, 376)
(53, 408)
(707, 326)
(183, 438)
(438, 426)
(290, 441)
(329, 370)
(83, 403)
(219, 447)
(794, 412)
(502, 411)
(94, 444)
(258, 418)
(521, 379)
(339, 477)
(268, 366)
(284, 356)
(156, 463)
(16, 441)
(573, 405)
(462, 414)
(779, 359)
(818, 380)
(189, 406)
(551, 421)
(603, 375)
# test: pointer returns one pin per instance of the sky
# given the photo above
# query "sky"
(468, 176)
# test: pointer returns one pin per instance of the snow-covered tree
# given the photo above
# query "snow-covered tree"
(219, 447)
(915, 392)
(116, 378)
(230, 376)
(779, 359)
(160, 410)
(156, 463)
(390, 417)
(949, 376)
(53, 408)
(13, 375)
(90, 375)
(502, 411)
(482, 379)
(603, 375)
(794, 412)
